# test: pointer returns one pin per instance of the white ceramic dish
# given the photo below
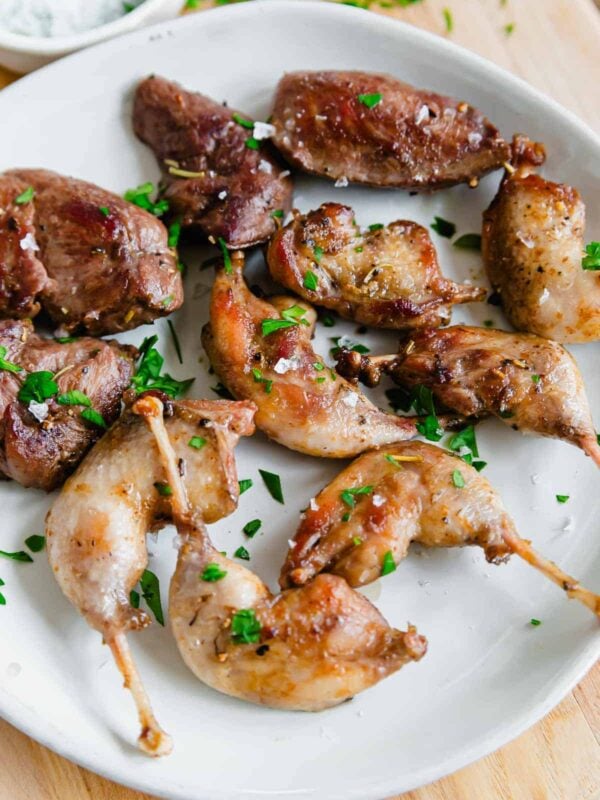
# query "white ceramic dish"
(489, 674)
(26, 53)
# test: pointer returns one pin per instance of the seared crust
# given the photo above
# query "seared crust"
(412, 139)
(42, 454)
(106, 272)
(22, 275)
(387, 278)
(238, 189)
(532, 243)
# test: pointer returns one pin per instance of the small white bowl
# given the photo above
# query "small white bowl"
(26, 53)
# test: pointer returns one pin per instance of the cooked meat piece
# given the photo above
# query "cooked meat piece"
(216, 176)
(531, 384)
(416, 493)
(22, 275)
(96, 529)
(108, 263)
(388, 277)
(300, 402)
(305, 649)
(40, 451)
(532, 249)
(375, 129)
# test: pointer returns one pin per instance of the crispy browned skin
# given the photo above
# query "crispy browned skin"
(412, 139)
(42, 454)
(106, 273)
(300, 405)
(531, 384)
(311, 648)
(387, 278)
(22, 275)
(237, 189)
(96, 529)
(532, 243)
(416, 493)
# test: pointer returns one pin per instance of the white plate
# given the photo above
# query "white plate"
(489, 674)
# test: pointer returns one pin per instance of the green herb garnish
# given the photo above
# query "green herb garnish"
(252, 527)
(448, 20)
(245, 484)
(591, 259)
(222, 391)
(38, 386)
(140, 196)
(74, 398)
(508, 29)
(20, 555)
(8, 366)
(348, 495)
(388, 565)
(443, 227)
(252, 143)
(310, 281)
(175, 339)
(25, 197)
(104, 210)
(148, 374)
(457, 479)
(347, 345)
(226, 256)
(213, 573)
(174, 234)
(468, 241)
(197, 442)
(289, 317)
(273, 484)
(93, 416)
(150, 587)
(562, 498)
(245, 628)
(535, 622)
(277, 214)
(242, 553)
(245, 123)
(376, 226)
(370, 100)
(163, 489)
(318, 253)
(36, 543)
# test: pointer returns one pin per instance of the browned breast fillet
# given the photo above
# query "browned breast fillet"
(388, 277)
(378, 130)
(532, 249)
(216, 176)
(39, 447)
(22, 276)
(530, 383)
(108, 262)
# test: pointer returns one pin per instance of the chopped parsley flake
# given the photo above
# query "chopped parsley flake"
(591, 259)
(20, 555)
(448, 20)
(163, 489)
(222, 391)
(535, 378)
(562, 498)
(258, 378)
(443, 227)
(93, 416)
(174, 234)
(310, 281)
(273, 483)
(318, 253)
(289, 317)
(213, 573)
(175, 339)
(370, 100)
(74, 398)
(197, 442)
(38, 386)
(245, 627)
(252, 143)
(277, 214)
(36, 543)
(8, 366)
(226, 256)
(347, 344)
(245, 123)
(376, 226)
(245, 484)
(104, 210)
(150, 587)
(148, 374)
(468, 241)
(26, 196)
(140, 196)
(242, 553)
(251, 528)
(328, 321)
(318, 366)
(457, 479)
(465, 438)
(356, 541)
(348, 495)
(388, 565)
(535, 622)
(508, 29)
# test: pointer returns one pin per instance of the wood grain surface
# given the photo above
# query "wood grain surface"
(555, 46)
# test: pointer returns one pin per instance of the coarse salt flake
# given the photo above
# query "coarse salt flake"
(285, 365)
(422, 114)
(39, 410)
(341, 183)
(28, 242)
(313, 505)
(351, 399)
(263, 130)
(265, 166)
(222, 195)
(378, 500)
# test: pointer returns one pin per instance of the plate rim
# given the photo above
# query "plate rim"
(26, 720)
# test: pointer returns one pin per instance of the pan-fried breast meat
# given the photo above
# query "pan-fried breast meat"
(388, 277)
(109, 267)
(217, 177)
(40, 445)
(532, 247)
(375, 129)
(22, 275)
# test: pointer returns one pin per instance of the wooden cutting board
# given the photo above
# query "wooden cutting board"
(554, 45)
